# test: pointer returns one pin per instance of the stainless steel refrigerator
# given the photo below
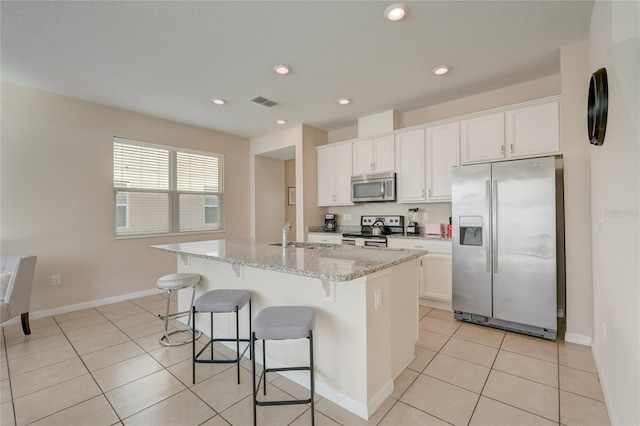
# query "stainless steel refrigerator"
(505, 266)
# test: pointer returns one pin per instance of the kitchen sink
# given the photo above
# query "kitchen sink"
(296, 244)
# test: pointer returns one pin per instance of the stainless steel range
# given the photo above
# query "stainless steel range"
(374, 231)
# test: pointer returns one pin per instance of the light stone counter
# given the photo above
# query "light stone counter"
(324, 261)
(365, 300)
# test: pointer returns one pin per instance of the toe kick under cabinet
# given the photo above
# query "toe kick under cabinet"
(435, 270)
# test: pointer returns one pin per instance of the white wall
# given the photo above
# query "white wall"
(577, 196)
(270, 198)
(297, 142)
(57, 194)
(614, 43)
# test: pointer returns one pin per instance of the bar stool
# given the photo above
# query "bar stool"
(221, 301)
(282, 323)
(178, 282)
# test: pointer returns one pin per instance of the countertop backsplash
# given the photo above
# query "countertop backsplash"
(438, 212)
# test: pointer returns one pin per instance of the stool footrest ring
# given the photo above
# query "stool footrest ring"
(175, 315)
(284, 402)
(221, 361)
(164, 340)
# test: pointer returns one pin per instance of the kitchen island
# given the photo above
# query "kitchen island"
(365, 299)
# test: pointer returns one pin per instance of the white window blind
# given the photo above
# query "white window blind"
(163, 190)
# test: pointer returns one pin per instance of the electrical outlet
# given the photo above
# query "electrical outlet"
(345, 216)
(425, 216)
(56, 279)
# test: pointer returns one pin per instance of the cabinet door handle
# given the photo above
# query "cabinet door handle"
(511, 148)
(501, 149)
(423, 193)
(429, 192)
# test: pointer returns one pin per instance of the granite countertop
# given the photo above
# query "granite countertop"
(334, 262)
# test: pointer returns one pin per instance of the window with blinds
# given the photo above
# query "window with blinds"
(163, 190)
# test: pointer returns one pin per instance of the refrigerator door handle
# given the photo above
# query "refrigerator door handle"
(494, 225)
(488, 240)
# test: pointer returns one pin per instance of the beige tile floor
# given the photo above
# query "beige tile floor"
(104, 366)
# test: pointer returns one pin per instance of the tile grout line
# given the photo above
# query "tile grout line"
(90, 373)
(475, 407)
(165, 368)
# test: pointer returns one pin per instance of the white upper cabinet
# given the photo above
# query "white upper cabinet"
(410, 167)
(373, 155)
(334, 175)
(521, 132)
(443, 144)
(482, 139)
(533, 130)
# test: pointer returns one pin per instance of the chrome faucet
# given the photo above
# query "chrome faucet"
(285, 233)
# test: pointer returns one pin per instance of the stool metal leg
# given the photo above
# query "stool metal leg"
(263, 379)
(312, 384)
(166, 340)
(193, 342)
(254, 391)
(211, 341)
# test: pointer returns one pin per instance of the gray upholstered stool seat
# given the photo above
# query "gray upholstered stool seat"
(177, 282)
(281, 323)
(219, 302)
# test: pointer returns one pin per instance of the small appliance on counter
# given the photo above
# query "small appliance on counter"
(434, 229)
(412, 227)
(330, 224)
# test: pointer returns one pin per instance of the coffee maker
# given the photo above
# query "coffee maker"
(330, 224)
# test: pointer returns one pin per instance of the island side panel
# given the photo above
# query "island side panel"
(341, 326)
(404, 317)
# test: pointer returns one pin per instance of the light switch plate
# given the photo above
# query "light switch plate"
(425, 216)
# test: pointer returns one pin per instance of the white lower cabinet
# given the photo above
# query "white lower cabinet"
(324, 237)
(436, 282)
(435, 286)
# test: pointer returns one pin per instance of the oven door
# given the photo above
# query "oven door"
(364, 241)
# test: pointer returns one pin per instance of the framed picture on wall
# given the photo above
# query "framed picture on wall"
(292, 195)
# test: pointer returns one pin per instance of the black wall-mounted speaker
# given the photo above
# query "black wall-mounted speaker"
(598, 106)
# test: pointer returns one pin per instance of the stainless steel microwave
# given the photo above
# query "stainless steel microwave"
(373, 187)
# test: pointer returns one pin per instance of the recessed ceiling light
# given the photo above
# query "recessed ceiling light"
(442, 69)
(281, 121)
(281, 69)
(218, 101)
(344, 101)
(396, 11)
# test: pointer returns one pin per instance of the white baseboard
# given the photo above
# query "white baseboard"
(85, 305)
(578, 339)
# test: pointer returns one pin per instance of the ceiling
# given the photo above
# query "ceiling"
(169, 59)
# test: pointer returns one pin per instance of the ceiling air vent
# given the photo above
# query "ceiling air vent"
(263, 101)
